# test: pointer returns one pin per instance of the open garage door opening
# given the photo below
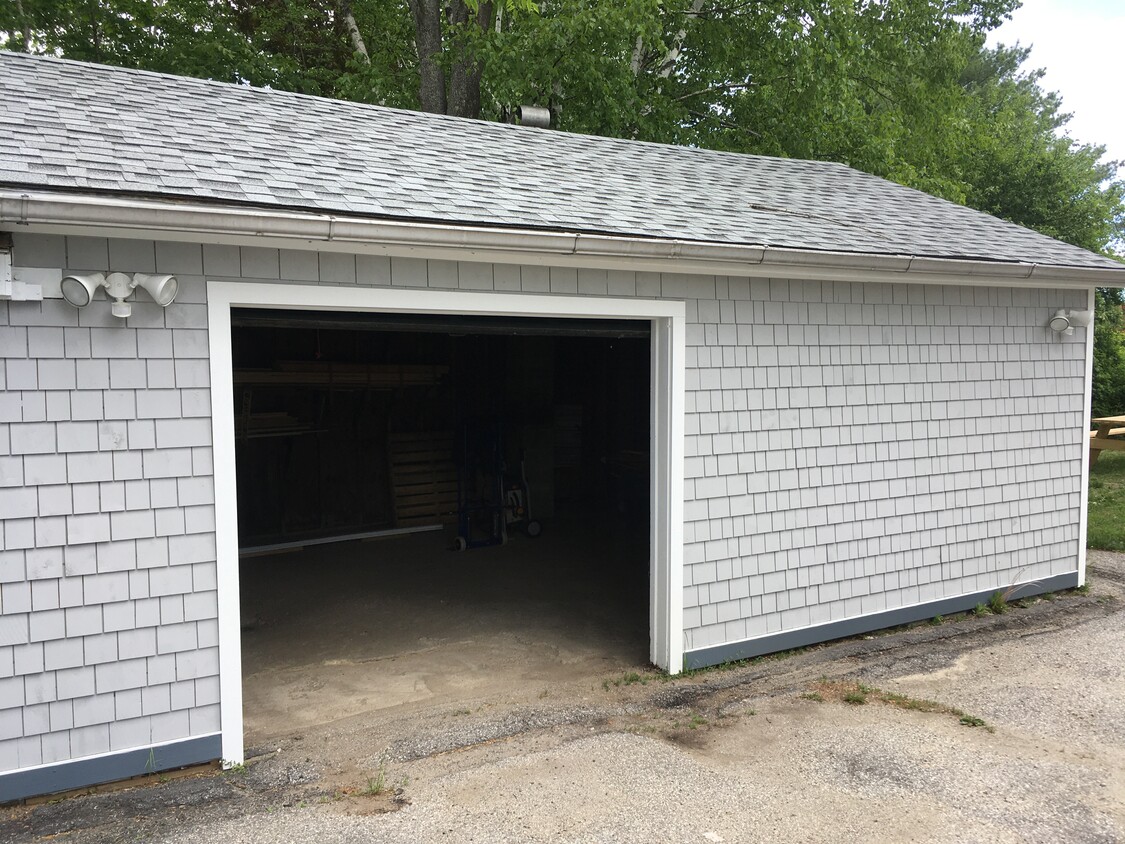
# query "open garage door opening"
(436, 508)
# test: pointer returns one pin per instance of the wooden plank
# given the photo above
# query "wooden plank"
(421, 457)
(1106, 444)
(430, 488)
(343, 375)
(443, 519)
(427, 512)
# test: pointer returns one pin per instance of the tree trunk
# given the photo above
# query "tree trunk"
(358, 45)
(25, 26)
(427, 37)
(638, 56)
(673, 54)
(465, 74)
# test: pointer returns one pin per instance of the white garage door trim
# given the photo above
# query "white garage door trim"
(668, 320)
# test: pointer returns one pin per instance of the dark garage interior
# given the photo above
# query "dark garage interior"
(436, 507)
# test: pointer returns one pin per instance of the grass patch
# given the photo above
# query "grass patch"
(377, 784)
(630, 678)
(1107, 502)
(690, 673)
(851, 692)
(997, 604)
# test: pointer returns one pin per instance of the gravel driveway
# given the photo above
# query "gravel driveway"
(745, 754)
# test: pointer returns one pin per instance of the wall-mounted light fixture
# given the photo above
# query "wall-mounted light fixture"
(79, 290)
(1064, 322)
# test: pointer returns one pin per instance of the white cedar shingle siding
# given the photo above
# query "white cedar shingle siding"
(850, 448)
(107, 602)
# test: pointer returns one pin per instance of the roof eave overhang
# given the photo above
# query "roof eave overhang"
(52, 212)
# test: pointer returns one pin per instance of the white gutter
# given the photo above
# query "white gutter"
(62, 213)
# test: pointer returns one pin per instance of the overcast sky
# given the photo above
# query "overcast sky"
(1081, 45)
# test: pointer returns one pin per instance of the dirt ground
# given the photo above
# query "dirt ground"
(405, 624)
(1002, 728)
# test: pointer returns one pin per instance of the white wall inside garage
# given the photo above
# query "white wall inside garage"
(849, 448)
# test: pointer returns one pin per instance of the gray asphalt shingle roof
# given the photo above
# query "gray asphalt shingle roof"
(76, 126)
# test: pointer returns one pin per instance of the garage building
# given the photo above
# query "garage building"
(752, 403)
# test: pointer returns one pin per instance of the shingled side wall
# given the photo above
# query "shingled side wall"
(850, 449)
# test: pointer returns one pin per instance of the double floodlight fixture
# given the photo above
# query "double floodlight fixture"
(1064, 322)
(79, 290)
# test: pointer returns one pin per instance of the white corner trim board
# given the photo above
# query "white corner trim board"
(668, 320)
(1084, 487)
(63, 213)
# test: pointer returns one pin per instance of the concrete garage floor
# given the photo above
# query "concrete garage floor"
(338, 630)
(730, 755)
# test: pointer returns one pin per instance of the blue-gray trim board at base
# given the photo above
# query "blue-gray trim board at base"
(750, 648)
(82, 773)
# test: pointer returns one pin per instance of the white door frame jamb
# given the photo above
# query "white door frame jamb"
(668, 319)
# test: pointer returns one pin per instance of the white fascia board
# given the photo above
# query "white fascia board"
(63, 213)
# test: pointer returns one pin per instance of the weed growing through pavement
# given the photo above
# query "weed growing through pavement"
(691, 673)
(849, 691)
(377, 784)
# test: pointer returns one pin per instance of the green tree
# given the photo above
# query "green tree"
(1017, 163)
(902, 89)
(1108, 389)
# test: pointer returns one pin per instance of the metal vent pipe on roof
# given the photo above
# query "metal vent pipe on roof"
(536, 116)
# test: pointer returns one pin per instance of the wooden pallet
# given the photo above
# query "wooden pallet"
(424, 478)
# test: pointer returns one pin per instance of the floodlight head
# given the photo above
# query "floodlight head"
(1060, 321)
(1080, 318)
(79, 290)
(1065, 322)
(162, 288)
